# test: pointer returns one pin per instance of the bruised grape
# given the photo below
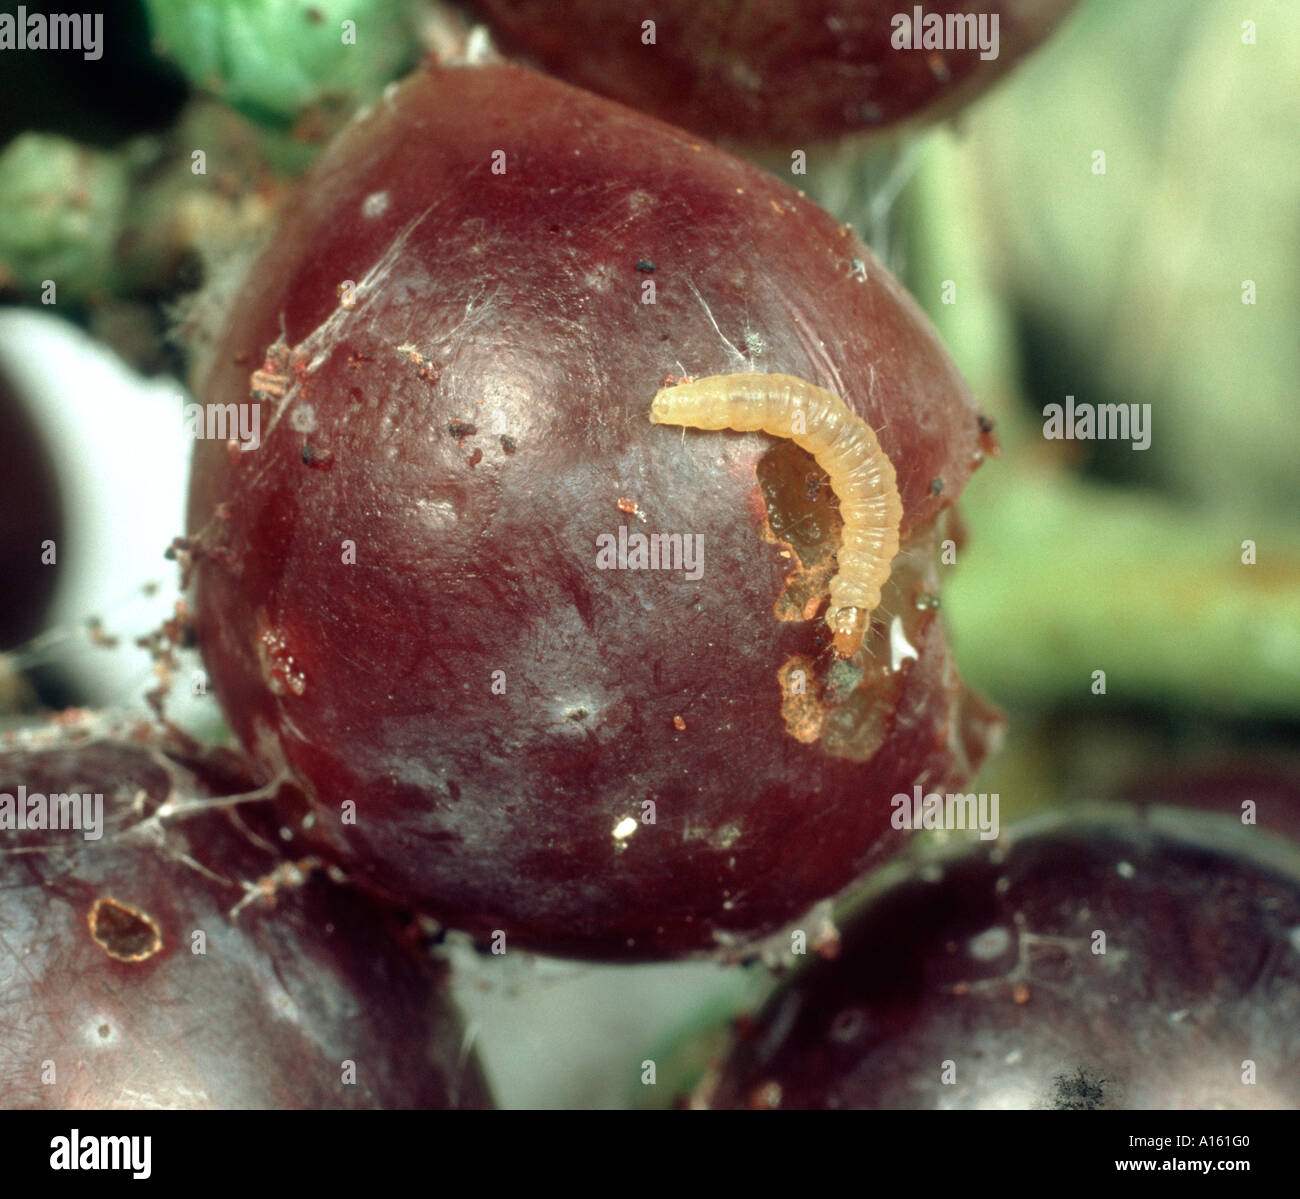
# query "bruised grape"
(150, 960)
(1095, 960)
(479, 716)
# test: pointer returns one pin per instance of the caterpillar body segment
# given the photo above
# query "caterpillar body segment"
(842, 444)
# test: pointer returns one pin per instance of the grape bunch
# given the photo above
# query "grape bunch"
(492, 659)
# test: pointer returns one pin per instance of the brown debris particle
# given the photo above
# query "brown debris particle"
(161, 643)
(827, 945)
(271, 381)
(262, 385)
(316, 457)
(98, 636)
(288, 875)
(988, 442)
(679, 724)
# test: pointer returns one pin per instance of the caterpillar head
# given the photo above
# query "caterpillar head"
(848, 625)
(661, 408)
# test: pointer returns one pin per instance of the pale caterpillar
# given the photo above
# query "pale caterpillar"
(844, 446)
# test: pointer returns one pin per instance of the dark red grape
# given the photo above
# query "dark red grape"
(31, 515)
(180, 962)
(1096, 960)
(1244, 787)
(774, 72)
(397, 592)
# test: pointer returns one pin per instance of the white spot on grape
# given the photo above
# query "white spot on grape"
(100, 1033)
(989, 945)
(303, 418)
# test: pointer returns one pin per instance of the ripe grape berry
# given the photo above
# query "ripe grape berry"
(1093, 959)
(397, 592)
(31, 520)
(779, 73)
(182, 961)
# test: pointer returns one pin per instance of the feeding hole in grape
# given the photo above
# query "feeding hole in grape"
(123, 932)
(844, 446)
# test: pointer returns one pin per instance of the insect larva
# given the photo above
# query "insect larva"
(844, 446)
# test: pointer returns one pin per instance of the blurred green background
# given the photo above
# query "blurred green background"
(1127, 287)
